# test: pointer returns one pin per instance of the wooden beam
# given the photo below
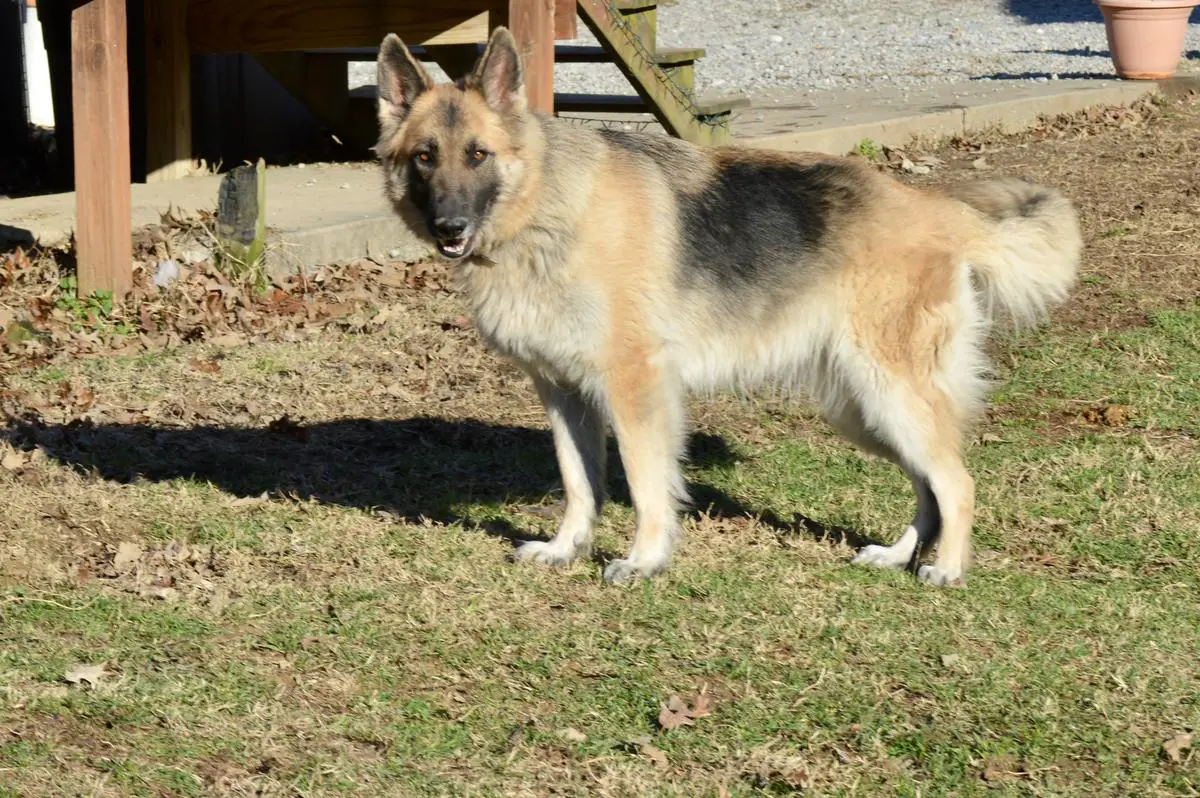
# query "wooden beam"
(168, 91)
(264, 26)
(100, 91)
(532, 25)
(566, 22)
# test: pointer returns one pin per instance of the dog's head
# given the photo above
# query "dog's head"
(453, 153)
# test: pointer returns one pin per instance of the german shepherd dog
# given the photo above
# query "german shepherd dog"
(622, 270)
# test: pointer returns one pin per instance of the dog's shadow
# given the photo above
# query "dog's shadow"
(446, 471)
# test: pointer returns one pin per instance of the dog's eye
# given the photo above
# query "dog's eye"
(479, 156)
(424, 157)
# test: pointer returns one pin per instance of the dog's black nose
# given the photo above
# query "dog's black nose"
(450, 228)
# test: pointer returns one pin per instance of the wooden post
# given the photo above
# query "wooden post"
(168, 91)
(565, 20)
(532, 25)
(100, 91)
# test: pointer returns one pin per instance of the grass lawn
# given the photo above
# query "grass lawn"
(323, 605)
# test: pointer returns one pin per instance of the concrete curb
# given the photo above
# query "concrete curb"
(1007, 115)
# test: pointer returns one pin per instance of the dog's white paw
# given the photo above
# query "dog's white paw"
(938, 577)
(897, 555)
(621, 572)
(881, 557)
(545, 552)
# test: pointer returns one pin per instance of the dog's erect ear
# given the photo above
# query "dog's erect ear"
(401, 81)
(499, 76)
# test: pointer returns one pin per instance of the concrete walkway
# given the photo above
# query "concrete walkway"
(326, 213)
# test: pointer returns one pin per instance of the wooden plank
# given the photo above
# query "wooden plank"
(263, 26)
(589, 54)
(600, 103)
(168, 91)
(566, 23)
(632, 103)
(532, 25)
(100, 91)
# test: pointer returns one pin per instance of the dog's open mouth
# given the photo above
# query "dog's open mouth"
(455, 247)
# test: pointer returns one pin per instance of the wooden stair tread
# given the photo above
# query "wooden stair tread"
(593, 54)
(632, 103)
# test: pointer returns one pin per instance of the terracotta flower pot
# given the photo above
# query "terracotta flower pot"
(1145, 37)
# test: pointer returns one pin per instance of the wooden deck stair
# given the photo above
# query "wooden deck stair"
(664, 80)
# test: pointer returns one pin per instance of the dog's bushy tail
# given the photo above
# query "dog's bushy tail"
(1029, 261)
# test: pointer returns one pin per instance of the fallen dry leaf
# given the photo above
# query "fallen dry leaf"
(571, 735)
(206, 366)
(92, 674)
(127, 555)
(676, 712)
(289, 429)
(650, 751)
(950, 660)
(1177, 746)
(228, 340)
(1109, 415)
(14, 461)
(161, 593)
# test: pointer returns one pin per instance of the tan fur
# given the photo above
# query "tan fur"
(577, 275)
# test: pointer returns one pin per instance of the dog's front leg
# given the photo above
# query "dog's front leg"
(646, 406)
(579, 442)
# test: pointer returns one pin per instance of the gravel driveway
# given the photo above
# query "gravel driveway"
(828, 44)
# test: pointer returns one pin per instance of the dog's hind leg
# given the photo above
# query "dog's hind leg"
(923, 430)
(920, 535)
(846, 416)
(648, 419)
(579, 442)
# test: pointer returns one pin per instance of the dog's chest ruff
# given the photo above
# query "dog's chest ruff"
(544, 324)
